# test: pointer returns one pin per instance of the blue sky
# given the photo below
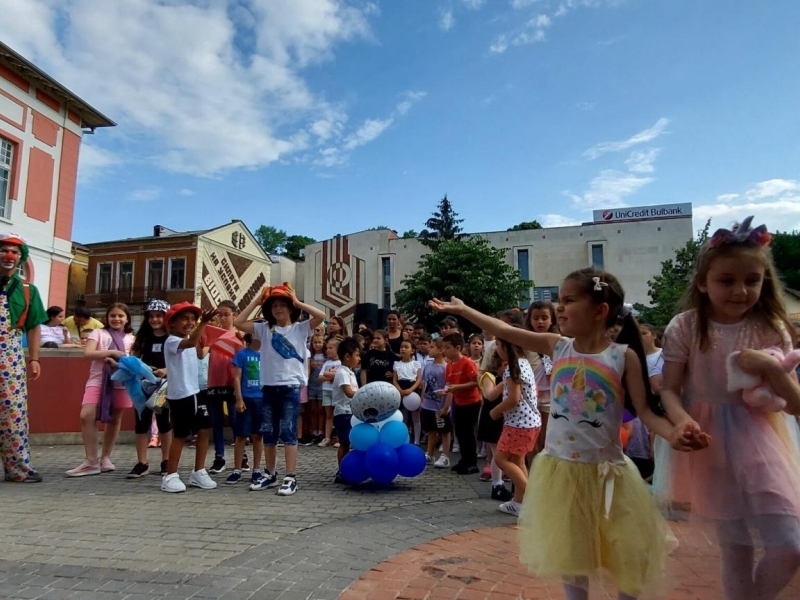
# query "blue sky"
(323, 117)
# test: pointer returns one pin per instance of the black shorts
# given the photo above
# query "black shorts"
(189, 415)
(142, 423)
(429, 424)
(220, 395)
(342, 423)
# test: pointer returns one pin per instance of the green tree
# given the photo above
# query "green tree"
(786, 252)
(526, 225)
(380, 228)
(484, 280)
(295, 244)
(271, 239)
(410, 235)
(668, 287)
(444, 225)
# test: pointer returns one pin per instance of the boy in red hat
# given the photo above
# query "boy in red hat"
(283, 372)
(21, 310)
(182, 351)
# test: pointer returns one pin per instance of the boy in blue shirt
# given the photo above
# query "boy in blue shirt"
(247, 391)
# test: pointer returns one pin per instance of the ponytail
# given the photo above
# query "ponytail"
(632, 336)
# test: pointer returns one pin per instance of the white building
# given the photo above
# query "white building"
(361, 272)
(41, 125)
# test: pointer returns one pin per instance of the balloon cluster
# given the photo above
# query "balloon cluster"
(379, 438)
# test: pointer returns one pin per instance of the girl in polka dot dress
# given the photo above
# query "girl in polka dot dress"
(521, 421)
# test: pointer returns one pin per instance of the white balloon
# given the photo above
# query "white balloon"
(395, 416)
(375, 401)
(412, 401)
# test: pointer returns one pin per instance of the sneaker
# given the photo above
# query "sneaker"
(106, 466)
(325, 442)
(245, 464)
(442, 462)
(456, 449)
(218, 466)
(32, 477)
(318, 439)
(234, 477)
(501, 493)
(289, 486)
(164, 467)
(510, 508)
(172, 483)
(428, 459)
(256, 476)
(467, 470)
(339, 479)
(264, 482)
(306, 440)
(202, 480)
(84, 469)
(139, 470)
(482, 453)
(486, 474)
(336, 445)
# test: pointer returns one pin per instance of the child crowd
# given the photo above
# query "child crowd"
(566, 402)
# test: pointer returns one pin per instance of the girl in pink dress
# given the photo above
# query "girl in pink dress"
(748, 479)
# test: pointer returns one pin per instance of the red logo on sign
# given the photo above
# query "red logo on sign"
(607, 215)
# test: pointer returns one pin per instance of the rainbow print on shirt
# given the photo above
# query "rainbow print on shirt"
(583, 388)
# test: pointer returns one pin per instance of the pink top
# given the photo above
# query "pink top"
(748, 469)
(104, 342)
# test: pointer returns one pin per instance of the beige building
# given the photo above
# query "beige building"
(363, 271)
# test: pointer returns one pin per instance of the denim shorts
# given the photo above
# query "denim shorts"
(249, 422)
(281, 408)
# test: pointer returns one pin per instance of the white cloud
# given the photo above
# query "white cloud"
(474, 4)
(774, 202)
(555, 220)
(446, 20)
(540, 21)
(94, 161)
(186, 192)
(369, 131)
(641, 161)
(145, 194)
(519, 4)
(500, 45)
(208, 87)
(647, 135)
(609, 188)
(411, 98)
(772, 188)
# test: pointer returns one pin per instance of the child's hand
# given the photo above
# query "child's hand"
(240, 406)
(455, 305)
(756, 362)
(495, 414)
(111, 361)
(208, 315)
(441, 392)
(442, 413)
(688, 436)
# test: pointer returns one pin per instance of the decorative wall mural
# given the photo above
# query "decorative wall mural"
(342, 276)
(228, 276)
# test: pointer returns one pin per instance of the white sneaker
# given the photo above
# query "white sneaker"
(510, 508)
(202, 480)
(172, 483)
(482, 453)
(442, 462)
(288, 487)
(456, 449)
(428, 459)
(324, 443)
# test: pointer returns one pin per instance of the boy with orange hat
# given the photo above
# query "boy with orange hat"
(21, 310)
(283, 372)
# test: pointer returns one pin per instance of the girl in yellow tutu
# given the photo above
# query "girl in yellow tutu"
(586, 509)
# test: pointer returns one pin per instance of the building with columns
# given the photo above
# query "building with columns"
(41, 126)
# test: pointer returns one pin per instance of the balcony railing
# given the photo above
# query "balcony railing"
(127, 295)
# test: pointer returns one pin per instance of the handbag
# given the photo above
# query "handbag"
(156, 395)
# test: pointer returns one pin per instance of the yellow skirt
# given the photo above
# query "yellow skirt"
(584, 519)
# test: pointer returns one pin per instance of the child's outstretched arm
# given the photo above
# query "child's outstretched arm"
(194, 338)
(688, 435)
(543, 343)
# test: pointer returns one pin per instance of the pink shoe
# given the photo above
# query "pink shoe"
(106, 466)
(486, 474)
(84, 469)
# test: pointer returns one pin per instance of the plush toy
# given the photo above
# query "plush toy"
(756, 392)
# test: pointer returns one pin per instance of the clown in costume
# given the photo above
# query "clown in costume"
(21, 311)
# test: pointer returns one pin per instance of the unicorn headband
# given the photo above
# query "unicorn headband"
(741, 233)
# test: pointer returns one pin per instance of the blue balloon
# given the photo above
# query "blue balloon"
(354, 467)
(394, 433)
(382, 463)
(411, 460)
(363, 435)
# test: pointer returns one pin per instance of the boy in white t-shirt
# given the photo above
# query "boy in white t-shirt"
(190, 415)
(345, 386)
(326, 375)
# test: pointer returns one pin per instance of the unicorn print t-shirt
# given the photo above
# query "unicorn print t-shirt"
(283, 353)
(586, 404)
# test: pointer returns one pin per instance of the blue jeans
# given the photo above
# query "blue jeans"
(281, 404)
(217, 398)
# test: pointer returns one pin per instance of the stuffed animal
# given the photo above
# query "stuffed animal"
(756, 392)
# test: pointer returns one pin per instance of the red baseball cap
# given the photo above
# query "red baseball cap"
(176, 309)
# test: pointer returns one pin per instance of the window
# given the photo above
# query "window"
(541, 294)
(155, 274)
(597, 256)
(125, 275)
(6, 150)
(523, 267)
(177, 273)
(386, 266)
(104, 277)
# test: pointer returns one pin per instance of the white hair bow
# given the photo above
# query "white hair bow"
(599, 285)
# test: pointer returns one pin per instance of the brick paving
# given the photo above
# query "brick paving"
(436, 536)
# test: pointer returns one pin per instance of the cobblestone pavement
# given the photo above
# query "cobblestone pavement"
(435, 536)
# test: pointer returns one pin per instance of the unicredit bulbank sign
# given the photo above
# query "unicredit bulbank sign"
(643, 213)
